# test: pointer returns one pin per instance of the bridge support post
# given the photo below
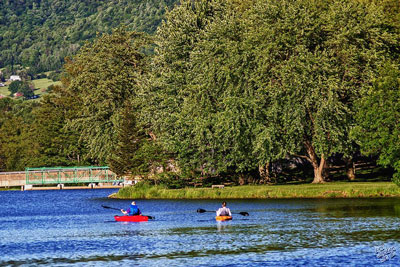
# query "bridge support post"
(26, 187)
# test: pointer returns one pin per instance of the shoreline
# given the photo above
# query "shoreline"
(77, 187)
(113, 196)
(344, 190)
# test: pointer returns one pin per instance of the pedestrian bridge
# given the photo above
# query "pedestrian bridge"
(59, 175)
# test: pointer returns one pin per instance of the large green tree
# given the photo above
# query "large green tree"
(167, 84)
(217, 117)
(104, 75)
(313, 61)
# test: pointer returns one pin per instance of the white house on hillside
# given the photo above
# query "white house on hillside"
(15, 78)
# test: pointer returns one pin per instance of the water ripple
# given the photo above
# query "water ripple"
(59, 228)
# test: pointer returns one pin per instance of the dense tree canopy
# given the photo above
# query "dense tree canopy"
(277, 80)
(104, 75)
(17, 145)
(57, 145)
(167, 81)
(217, 116)
(377, 129)
(313, 61)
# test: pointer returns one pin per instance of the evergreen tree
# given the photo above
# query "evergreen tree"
(129, 141)
(136, 153)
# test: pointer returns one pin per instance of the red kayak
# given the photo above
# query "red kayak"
(135, 218)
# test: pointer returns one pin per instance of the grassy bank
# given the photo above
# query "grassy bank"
(328, 190)
(14, 188)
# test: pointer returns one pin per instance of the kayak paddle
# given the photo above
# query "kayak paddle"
(243, 213)
(107, 207)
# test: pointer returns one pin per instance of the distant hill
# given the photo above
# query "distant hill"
(40, 33)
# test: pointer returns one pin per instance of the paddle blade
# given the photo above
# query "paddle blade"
(201, 210)
(107, 207)
(150, 217)
(244, 213)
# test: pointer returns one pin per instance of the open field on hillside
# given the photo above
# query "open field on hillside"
(40, 86)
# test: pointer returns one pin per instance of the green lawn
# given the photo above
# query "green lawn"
(42, 84)
(4, 91)
(327, 190)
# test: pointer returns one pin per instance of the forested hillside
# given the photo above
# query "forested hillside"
(40, 33)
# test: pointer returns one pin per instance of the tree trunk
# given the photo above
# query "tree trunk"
(318, 165)
(152, 136)
(264, 173)
(261, 172)
(267, 174)
(242, 181)
(350, 169)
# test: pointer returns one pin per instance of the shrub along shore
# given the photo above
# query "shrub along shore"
(327, 190)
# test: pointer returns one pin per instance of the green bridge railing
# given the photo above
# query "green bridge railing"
(70, 175)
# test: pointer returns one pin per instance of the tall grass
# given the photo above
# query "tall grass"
(330, 190)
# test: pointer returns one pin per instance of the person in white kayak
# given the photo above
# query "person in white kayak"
(224, 211)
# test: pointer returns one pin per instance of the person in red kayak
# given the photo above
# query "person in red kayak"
(224, 211)
(133, 210)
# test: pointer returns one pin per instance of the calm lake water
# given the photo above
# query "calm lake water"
(69, 227)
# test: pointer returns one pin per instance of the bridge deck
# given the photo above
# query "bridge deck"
(49, 176)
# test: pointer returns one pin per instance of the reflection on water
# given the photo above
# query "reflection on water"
(70, 228)
(359, 209)
(221, 226)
